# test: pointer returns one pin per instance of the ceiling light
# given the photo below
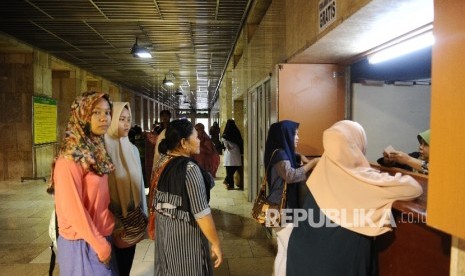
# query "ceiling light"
(404, 47)
(167, 82)
(178, 92)
(139, 51)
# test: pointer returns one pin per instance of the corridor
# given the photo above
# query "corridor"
(25, 210)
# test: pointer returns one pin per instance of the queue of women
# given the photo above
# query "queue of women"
(102, 211)
(100, 201)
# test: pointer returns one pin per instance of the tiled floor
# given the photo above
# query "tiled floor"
(25, 210)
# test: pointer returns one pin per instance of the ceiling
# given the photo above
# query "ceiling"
(193, 39)
(190, 41)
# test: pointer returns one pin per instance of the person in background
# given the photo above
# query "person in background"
(215, 137)
(153, 140)
(155, 125)
(233, 142)
(184, 225)
(80, 185)
(414, 161)
(349, 204)
(165, 117)
(134, 133)
(137, 137)
(208, 159)
(126, 183)
(281, 160)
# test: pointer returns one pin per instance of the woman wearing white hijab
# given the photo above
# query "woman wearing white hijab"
(126, 185)
(349, 203)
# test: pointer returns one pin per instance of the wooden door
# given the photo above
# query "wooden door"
(314, 96)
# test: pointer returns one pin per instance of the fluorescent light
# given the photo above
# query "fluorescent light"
(407, 46)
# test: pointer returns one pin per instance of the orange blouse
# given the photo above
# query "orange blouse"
(82, 201)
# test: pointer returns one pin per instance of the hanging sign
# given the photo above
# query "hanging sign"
(327, 13)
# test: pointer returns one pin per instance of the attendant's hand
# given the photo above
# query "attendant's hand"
(217, 255)
(387, 160)
(399, 157)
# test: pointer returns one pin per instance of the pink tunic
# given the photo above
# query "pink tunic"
(82, 201)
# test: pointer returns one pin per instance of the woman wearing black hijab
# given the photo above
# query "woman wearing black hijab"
(284, 167)
(234, 144)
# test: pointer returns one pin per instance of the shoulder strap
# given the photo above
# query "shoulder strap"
(263, 187)
(154, 182)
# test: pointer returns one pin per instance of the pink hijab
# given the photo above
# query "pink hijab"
(345, 186)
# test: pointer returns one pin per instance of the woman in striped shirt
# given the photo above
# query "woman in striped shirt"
(184, 225)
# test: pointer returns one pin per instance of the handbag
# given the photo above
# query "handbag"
(153, 188)
(265, 212)
(134, 224)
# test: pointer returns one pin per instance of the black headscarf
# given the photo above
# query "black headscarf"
(281, 135)
(232, 134)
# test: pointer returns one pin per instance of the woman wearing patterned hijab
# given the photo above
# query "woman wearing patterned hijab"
(80, 181)
(349, 203)
(127, 194)
(283, 166)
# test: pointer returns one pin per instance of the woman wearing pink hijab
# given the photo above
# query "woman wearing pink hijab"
(348, 205)
(126, 184)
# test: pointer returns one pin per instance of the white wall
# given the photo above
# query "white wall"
(391, 115)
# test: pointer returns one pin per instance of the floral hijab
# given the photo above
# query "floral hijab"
(79, 143)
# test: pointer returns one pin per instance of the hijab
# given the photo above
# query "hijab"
(425, 135)
(281, 135)
(80, 144)
(232, 134)
(125, 182)
(344, 181)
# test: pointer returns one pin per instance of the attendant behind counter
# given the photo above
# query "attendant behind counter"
(415, 161)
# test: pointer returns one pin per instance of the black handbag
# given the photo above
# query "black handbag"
(265, 212)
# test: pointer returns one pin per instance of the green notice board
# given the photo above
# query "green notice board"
(44, 120)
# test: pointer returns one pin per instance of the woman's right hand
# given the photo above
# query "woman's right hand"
(106, 262)
(217, 255)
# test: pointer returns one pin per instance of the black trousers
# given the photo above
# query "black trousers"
(124, 258)
(230, 170)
